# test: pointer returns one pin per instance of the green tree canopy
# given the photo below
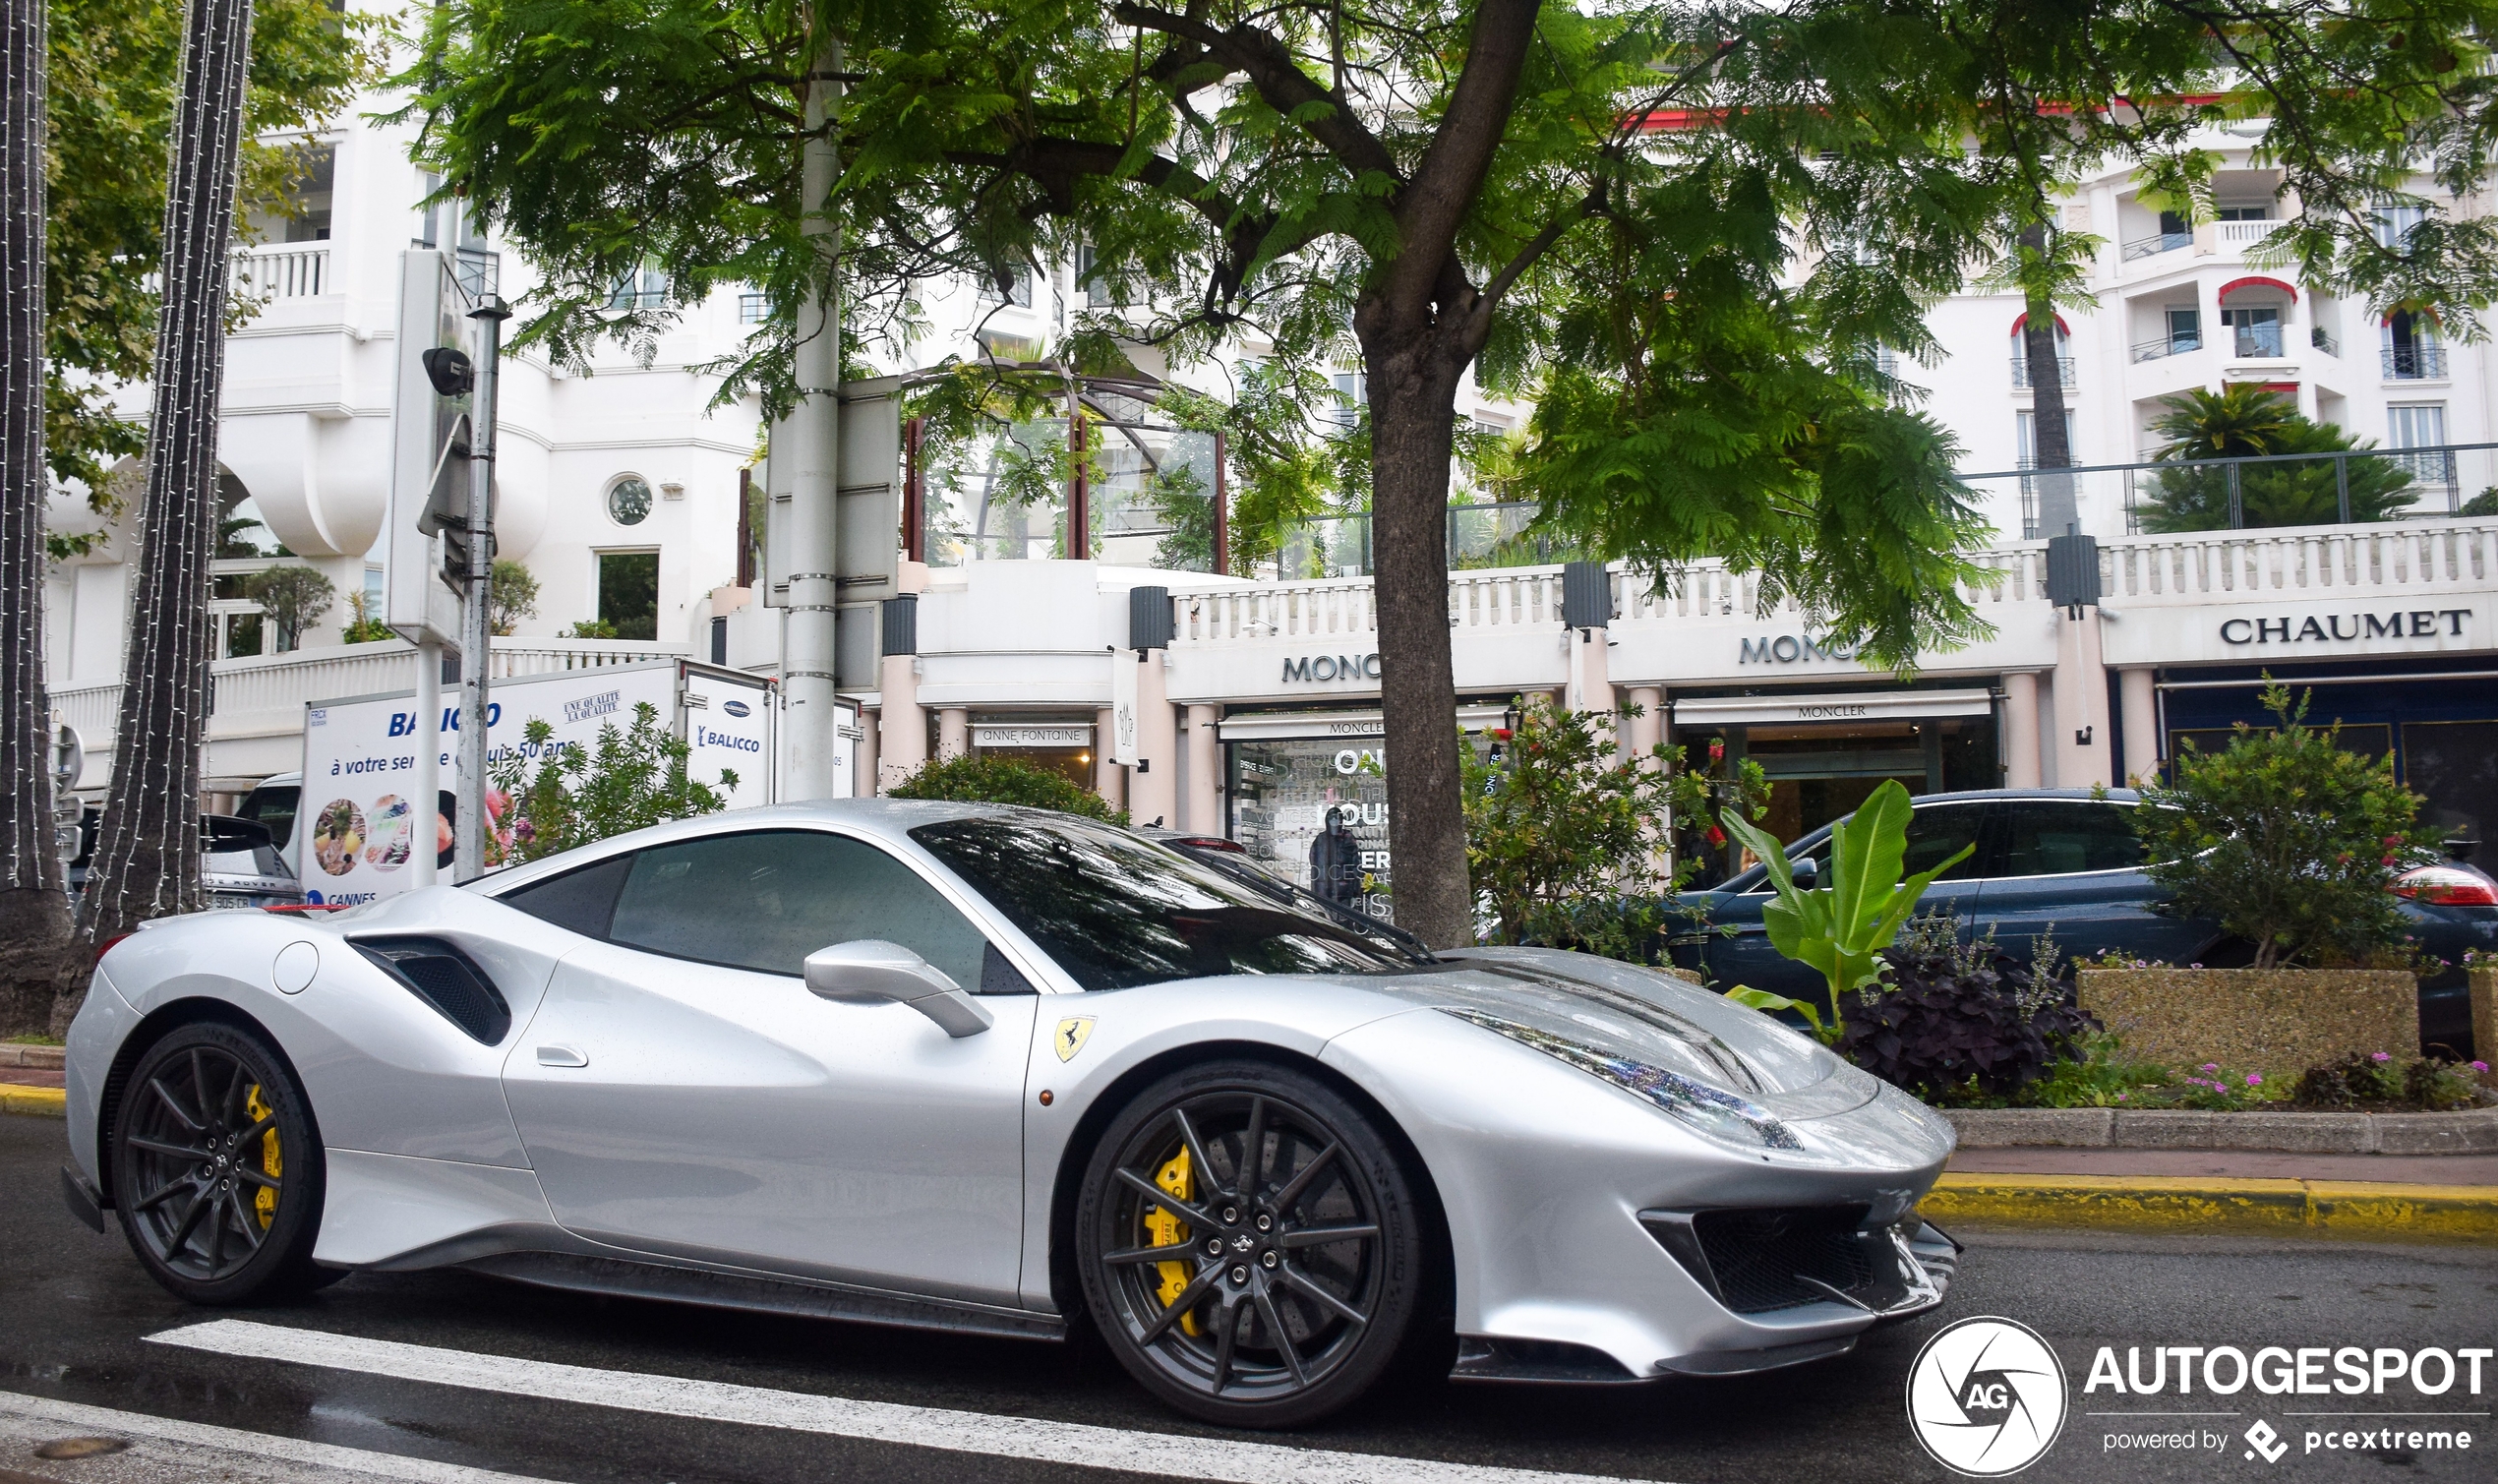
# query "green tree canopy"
(994, 778)
(113, 74)
(1682, 225)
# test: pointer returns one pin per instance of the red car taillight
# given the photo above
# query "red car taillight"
(2445, 886)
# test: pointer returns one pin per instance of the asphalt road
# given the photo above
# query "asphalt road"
(77, 1313)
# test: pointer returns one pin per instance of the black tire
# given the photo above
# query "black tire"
(217, 1168)
(1250, 1322)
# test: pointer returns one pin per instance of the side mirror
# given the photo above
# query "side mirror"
(873, 971)
(1805, 871)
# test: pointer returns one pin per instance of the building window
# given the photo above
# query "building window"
(2422, 425)
(2395, 223)
(2025, 455)
(1019, 290)
(646, 287)
(753, 309)
(1097, 293)
(1352, 394)
(2410, 349)
(2021, 357)
(308, 196)
(2244, 213)
(2257, 328)
(629, 593)
(628, 500)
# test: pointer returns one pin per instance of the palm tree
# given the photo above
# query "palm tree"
(35, 919)
(2245, 421)
(146, 860)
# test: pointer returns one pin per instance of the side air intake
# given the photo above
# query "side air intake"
(438, 973)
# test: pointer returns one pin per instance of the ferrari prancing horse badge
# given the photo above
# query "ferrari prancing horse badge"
(1072, 1033)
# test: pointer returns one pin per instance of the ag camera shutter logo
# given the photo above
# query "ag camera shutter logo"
(1987, 1396)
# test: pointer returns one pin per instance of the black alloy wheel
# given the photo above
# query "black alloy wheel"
(1250, 1245)
(217, 1172)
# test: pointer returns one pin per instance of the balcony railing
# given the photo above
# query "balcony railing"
(2241, 234)
(2021, 371)
(2257, 342)
(2348, 487)
(2168, 346)
(2317, 338)
(289, 272)
(2414, 363)
(2152, 246)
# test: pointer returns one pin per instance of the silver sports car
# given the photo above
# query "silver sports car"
(1009, 1072)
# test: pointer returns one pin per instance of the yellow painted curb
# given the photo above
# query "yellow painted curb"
(2204, 1204)
(51, 1102)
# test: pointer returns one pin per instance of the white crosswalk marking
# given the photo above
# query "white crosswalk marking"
(1130, 1452)
(168, 1451)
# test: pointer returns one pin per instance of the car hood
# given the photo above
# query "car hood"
(1651, 1016)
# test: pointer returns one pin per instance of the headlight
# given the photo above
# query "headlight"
(1713, 1111)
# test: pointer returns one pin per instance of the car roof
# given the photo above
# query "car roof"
(887, 820)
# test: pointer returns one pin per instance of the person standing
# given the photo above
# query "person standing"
(1336, 862)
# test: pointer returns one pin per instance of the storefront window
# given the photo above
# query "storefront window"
(2454, 767)
(1281, 794)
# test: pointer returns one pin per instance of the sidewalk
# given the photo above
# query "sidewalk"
(31, 1066)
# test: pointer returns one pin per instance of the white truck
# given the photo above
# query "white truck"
(349, 828)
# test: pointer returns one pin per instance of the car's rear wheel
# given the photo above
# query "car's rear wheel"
(217, 1172)
(1250, 1244)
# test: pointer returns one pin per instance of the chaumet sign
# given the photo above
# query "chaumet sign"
(2416, 624)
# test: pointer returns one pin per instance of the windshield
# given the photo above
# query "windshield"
(1117, 911)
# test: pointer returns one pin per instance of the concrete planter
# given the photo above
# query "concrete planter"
(2278, 1021)
(2486, 1022)
(2473, 1131)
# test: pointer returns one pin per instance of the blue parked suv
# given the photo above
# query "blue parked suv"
(2066, 859)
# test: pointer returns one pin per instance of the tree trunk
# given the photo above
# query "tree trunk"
(1412, 383)
(34, 912)
(147, 862)
(2052, 441)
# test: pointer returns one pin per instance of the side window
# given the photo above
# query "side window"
(2058, 837)
(768, 899)
(1938, 832)
(583, 900)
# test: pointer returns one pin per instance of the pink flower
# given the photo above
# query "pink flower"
(2121, 1096)
(2388, 860)
(2480, 1066)
(2255, 1081)
(2211, 1067)
(2393, 840)
(2381, 1058)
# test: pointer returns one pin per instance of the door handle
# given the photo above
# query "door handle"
(561, 1056)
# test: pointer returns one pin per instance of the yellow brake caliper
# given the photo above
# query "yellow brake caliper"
(265, 1200)
(1168, 1230)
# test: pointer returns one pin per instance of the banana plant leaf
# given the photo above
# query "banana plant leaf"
(1842, 928)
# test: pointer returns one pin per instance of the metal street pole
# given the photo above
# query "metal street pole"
(808, 648)
(477, 627)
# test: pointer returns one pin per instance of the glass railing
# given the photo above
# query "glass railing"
(2258, 340)
(2176, 343)
(2354, 486)
(2152, 246)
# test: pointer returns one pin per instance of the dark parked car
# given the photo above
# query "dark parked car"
(240, 865)
(2066, 860)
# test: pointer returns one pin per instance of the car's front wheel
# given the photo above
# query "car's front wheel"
(217, 1172)
(1250, 1244)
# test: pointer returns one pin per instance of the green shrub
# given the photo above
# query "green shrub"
(1566, 831)
(2375, 1081)
(626, 781)
(993, 779)
(2286, 841)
